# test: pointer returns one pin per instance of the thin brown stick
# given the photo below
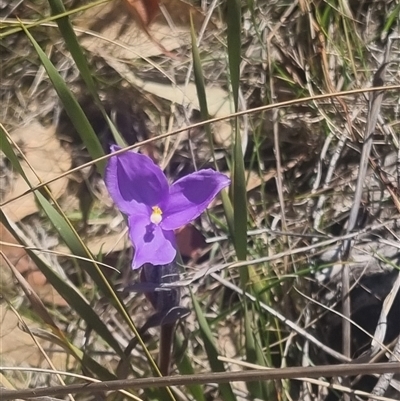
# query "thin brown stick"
(374, 106)
(216, 377)
(209, 121)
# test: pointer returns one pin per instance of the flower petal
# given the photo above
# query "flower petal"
(190, 196)
(132, 178)
(152, 244)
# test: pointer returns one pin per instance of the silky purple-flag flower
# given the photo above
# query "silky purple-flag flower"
(154, 209)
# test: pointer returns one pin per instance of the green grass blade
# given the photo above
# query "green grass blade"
(202, 96)
(68, 33)
(78, 248)
(7, 149)
(185, 368)
(199, 81)
(390, 21)
(70, 294)
(45, 20)
(66, 233)
(211, 350)
(71, 105)
(239, 182)
(234, 46)
(239, 202)
(255, 388)
(60, 222)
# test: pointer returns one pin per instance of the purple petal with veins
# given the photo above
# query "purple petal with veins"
(152, 244)
(134, 178)
(140, 190)
(190, 196)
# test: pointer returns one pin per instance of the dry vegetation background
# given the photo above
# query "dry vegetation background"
(307, 240)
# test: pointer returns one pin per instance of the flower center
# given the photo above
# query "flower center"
(156, 215)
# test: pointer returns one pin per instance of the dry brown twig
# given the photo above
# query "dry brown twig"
(374, 106)
(211, 121)
(223, 377)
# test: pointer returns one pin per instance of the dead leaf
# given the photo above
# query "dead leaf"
(219, 102)
(16, 254)
(24, 264)
(116, 38)
(180, 11)
(107, 29)
(35, 301)
(47, 157)
(17, 347)
(144, 11)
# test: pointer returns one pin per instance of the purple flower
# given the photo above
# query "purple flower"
(140, 190)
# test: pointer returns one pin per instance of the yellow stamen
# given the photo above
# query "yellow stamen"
(156, 216)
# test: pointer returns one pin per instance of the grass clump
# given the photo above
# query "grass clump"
(250, 89)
